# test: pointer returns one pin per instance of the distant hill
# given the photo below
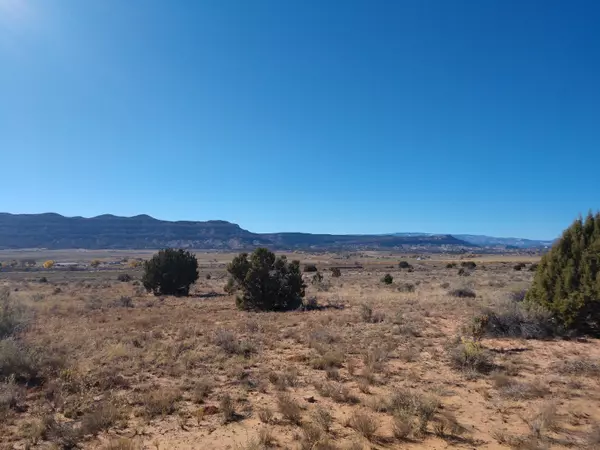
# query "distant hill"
(54, 231)
(490, 241)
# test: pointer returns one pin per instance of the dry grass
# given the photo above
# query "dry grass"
(122, 444)
(265, 415)
(330, 359)
(364, 423)
(160, 402)
(593, 437)
(403, 425)
(227, 408)
(102, 417)
(289, 409)
(519, 390)
(544, 420)
(338, 392)
(202, 388)
(406, 404)
(323, 419)
(80, 367)
(578, 367)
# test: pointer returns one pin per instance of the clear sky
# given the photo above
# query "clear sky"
(304, 115)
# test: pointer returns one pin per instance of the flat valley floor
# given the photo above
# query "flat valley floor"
(370, 366)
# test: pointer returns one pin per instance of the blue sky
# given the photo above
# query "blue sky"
(318, 116)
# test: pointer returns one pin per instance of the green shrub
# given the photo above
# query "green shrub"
(387, 279)
(404, 265)
(170, 272)
(468, 265)
(124, 277)
(463, 292)
(310, 268)
(469, 355)
(567, 280)
(518, 267)
(266, 282)
(336, 272)
(451, 265)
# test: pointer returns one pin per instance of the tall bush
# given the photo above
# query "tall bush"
(567, 280)
(266, 282)
(170, 272)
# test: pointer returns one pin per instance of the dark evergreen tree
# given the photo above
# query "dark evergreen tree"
(266, 282)
(310, 268)
(387, 279)
(567, 280)
(170, 272)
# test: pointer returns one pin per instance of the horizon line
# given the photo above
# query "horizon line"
(277, 232)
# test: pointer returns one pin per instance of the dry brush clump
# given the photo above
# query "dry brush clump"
(338, 392)
(446, 425)
(322, 418)
(231, 345)
(227, 408)
(514, 389)
(462, 292)
(266, 415)
(289, 409)
(369, 316)
(285, 379)
(160, 402)
(328, 359)
(364, 423)
(103, 416)
(201, 389)
(516, 319)
(12, 397)
(122, 444)
(27, 364)
(541, 423)
(411, 410)
(578, 367)
(470, 356)
(14, 316)
(314, 438)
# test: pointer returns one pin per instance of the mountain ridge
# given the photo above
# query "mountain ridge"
(491, 241)
(107, 231)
